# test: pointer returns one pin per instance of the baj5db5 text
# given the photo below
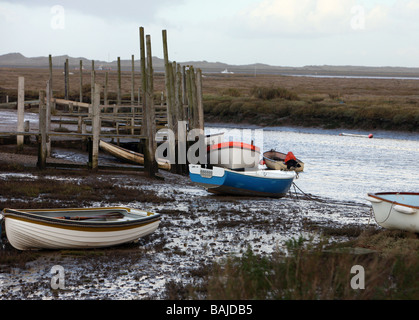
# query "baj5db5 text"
(223, 310)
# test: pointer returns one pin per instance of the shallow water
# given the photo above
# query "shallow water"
(344, 168)
(199, 227)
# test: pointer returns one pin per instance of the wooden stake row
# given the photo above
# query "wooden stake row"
(184, 102)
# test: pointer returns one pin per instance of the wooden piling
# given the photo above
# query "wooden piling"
(50, 73)
(132, 84)
(199, 100)
(20, 111)
(96, 125)
(180, 115)
(172, 119)
(118, 102)
(168, 82)
(190, 100)
(67, 79)
(42, 143)
(105, 93)
(143, 81)
(149, 122)
(92, 81)
(48, 116)
(81, 80)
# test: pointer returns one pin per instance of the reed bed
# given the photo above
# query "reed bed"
(271, 100)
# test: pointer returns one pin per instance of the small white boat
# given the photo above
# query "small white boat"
(278, 161)
(77, 228)
(129, 155)
(396, 210)
(233, 155)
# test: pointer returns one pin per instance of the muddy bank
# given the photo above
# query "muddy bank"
(197, 228)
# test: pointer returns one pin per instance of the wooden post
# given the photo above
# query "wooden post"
(118, 102)
(42, 147)
(81, 80)
(26, 129)
(50, 73)
(199, 99)
(20, 111)
(179, 94)
(177, 79)
(66, 79)
(151, 115)
(195, 121)
(143, 82)
(168, 82)
(149, 121)
(132, 84)
(190, 97)
(105, 93)
(92, 81)
(172, 119)
(48, 116)
(95, 127)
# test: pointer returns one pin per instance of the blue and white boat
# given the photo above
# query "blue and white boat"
(256, 183)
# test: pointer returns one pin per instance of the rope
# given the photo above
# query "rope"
(389, 212)
(305, 194)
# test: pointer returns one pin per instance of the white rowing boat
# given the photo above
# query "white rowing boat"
(396, 210)
(77, 228)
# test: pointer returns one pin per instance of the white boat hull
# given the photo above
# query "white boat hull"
(233, 155)
(30, 230)
(27, 236)
(396, 211)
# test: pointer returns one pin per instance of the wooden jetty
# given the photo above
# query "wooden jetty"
(136, 121)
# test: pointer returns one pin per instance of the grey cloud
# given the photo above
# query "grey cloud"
(140, 10)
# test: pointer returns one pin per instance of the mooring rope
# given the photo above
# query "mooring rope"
(304, 193)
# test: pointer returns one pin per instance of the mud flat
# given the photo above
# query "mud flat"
(197, 229)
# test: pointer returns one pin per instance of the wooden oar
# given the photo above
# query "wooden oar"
(110, 215)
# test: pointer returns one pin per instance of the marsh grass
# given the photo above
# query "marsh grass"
(389, 104)
(44, 193)
(278, 106)
(318, 271)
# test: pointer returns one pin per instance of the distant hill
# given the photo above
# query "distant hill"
(17, 60)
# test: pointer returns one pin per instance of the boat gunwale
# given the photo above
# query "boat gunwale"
(266, 157)
(79, 224)
(378, 195)
(233, 144)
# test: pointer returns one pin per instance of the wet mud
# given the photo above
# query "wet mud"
(197, 228)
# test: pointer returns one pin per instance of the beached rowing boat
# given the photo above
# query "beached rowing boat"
(254, 183)
(77, 228)
(396, 210)
(278, 161)
(129, 155)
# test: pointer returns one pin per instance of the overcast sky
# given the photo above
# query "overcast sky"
(276, 32)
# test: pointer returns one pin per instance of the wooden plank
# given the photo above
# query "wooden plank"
(75, 103)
